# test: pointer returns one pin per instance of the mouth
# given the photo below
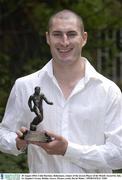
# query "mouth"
(64, 51)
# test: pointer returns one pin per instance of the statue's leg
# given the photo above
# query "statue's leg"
(34, 123)
(39, 113)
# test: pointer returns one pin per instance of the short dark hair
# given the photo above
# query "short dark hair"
(68, 13)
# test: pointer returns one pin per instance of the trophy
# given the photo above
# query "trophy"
(35, 105)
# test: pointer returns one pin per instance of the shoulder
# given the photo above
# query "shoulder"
(29, 78)
(25, 85)
(107, 83)
(99, 81)
(42, 95)
(31, 97)
(109, 88)
(36, 78)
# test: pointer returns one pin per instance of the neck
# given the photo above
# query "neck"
(70, 72)
(68, 76)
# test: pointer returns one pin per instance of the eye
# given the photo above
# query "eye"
(57, 34)
(71, 34)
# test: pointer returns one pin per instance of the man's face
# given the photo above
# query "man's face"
(66, 40)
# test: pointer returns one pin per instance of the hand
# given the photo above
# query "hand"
(20, 142)
(51, 103)
(57, 146)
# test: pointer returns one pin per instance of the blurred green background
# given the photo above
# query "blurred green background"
(23, 48)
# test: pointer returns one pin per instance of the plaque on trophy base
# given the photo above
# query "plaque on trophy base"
(35, 105)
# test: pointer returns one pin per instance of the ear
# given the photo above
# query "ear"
(47, 38)
(84, 38)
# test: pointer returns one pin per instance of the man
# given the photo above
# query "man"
(85, 121)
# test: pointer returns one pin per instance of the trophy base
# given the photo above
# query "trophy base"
(37, 136)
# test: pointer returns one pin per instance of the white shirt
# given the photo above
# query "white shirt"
(90, 119)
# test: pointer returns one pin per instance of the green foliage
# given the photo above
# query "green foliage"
(5, 80)
(13, 164)
(23, 48)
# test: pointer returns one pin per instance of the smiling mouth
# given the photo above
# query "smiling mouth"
(64, 50)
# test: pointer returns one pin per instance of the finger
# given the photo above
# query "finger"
(23, 129)
(19, 133)
(53, 135)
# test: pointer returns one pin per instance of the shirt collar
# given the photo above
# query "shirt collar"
(48, 69)
(90, 72)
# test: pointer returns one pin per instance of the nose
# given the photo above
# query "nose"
(65, 40)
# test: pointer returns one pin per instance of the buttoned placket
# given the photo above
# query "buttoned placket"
(65, 105)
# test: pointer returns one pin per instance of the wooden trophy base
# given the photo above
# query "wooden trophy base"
(37, 136)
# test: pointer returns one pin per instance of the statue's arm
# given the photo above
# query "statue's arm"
(48, 102)
(30, 103)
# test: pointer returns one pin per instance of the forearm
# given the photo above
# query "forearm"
(108, 155)
(8, 142)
